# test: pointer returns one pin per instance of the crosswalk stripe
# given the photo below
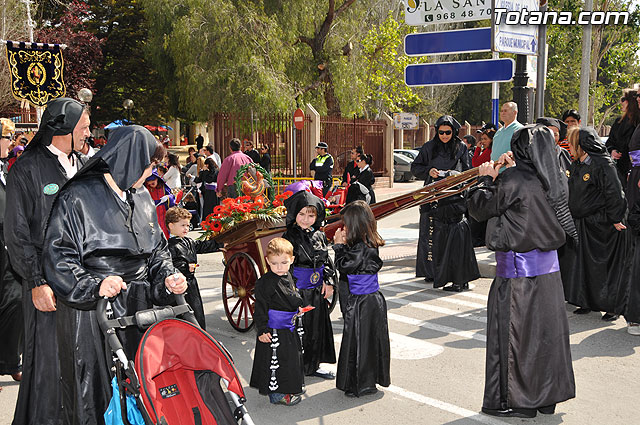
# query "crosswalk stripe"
(435, 327)
(436, 309)
(451, 408)
(446, 299)
(419, 284)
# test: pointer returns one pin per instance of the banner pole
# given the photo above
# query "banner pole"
(31, 25)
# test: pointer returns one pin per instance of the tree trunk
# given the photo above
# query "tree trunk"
(330, 99)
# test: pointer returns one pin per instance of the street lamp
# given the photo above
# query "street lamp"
(128, 105)
(85, 95)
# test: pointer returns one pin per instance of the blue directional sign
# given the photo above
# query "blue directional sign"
(464, 72)
(446, 42)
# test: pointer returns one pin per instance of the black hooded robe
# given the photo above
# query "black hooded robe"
(365, 353)
(92, 233)
(632, 309)
(310, 249)
(11, 316)
(619, 139)
(633, 191)
(277, 366)
(32, 186)
(445, 243)
(596, 269)
(528, 356)
(184, 251)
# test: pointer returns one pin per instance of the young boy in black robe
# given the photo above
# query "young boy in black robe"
(277, 364)
(184, 253)
(365, 354)
(312, 272)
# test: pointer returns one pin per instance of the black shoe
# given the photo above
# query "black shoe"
(511, 413)
(608, 317)
(547, 410)
(456, 287)
(350, 394)
(324, 374)
(369, 391)
(582, 310)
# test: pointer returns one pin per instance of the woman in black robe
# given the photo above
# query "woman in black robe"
(633, 192)
(621, 132)
(632, 310)
(104, 240)
(311, 252)
(445, 244)
(528, 357)
(207, 177)
(595, 270)
(365, 178)
(365, 353)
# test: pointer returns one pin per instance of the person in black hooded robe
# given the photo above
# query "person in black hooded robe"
(312, 271)
(564, 157)
(49, 160)
(445, 244)
(528, 356)
(104, 240)
(595, 270)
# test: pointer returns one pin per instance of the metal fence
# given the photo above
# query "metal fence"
(272, 130)
(23, 118)
(344, 134)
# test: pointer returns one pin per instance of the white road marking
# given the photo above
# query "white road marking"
(435, 308)
(446, 299)
(393, 279)
(408, 348)
(435, 327)
(448, 407)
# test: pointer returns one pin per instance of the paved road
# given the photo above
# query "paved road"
(437, 346)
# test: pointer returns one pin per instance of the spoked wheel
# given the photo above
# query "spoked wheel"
(238, 284)
(333, 300)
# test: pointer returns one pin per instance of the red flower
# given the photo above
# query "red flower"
(228, 201)
(216, 226)
(218, 209)
(203, 224)
(244, 199)
(277, 203)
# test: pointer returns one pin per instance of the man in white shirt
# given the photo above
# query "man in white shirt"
(208, 152)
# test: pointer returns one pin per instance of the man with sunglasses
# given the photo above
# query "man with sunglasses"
(502, 139)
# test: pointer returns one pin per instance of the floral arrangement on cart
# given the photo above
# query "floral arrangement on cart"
(258, 203)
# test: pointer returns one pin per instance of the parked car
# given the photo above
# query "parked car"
(402, 168)
(409, 153)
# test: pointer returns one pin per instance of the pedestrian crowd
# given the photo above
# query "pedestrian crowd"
(560, 208)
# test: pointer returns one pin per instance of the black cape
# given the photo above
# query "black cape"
(209, 197)
(528, 357)
(11, 320)
(31, 188)
(365, 354)
(184, 251)
(632, 309)
(633, 192)
(277, 366)
(366, 179)
(351, 172)
(595, 270)
(92, 234)
(445, 244)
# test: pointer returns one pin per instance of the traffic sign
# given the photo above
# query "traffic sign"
(425, 12)
(464, 72)
(298, 119)
(445, 42)
(510, 37)
(406, 121)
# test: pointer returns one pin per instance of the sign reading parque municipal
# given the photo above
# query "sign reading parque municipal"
(424, 12)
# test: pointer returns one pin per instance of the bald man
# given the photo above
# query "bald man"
(502, 139)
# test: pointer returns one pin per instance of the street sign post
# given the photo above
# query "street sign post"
(448, 42)
(425, 12)
(464, 72)
(406, 121)
(512, 38)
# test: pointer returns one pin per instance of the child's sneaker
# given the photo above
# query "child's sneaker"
(289, 400)
(633, 328)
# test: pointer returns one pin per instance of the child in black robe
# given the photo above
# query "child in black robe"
(277, 364)
(365, 352)
(312, 272)
(184, 253)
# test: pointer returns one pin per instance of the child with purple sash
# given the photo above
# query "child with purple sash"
(364, 359)
(312, 272)
(277, 364)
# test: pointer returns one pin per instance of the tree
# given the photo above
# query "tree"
(82, 55)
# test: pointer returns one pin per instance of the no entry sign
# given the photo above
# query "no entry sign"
(298, 119)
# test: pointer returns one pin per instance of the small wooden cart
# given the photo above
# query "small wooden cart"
(247, 243)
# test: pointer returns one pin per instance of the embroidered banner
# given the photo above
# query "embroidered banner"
(36, 72)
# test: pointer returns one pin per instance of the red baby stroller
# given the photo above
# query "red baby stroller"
(178, 369)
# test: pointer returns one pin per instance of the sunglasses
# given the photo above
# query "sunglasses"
(447, 132)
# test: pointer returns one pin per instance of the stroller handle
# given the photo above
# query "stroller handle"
(143, 319)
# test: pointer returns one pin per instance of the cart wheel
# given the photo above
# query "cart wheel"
(238, 284)
(334, 280)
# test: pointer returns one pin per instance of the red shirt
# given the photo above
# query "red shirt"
(480, 158)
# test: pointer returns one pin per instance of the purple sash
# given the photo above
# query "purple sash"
(279, 319)
(362, 284)
(635, 158)
(526, 264)
(211, 186)
(308, 278)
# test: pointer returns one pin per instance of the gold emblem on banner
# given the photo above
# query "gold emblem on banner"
(586, 177)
